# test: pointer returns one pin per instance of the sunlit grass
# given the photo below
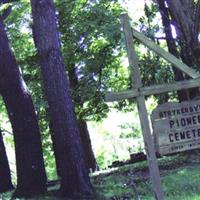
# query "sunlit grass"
(180, 181)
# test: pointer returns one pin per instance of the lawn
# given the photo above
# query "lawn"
(180, 179)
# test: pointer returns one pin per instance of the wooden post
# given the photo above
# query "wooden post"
(148, 141)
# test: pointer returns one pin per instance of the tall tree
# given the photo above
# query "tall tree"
(5, 175)
(172, 46)
(74, 175)
(88, 153)
(31, 177)
(89, 32)
(185, 17)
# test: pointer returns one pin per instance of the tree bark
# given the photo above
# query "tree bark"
(31, 177)
(88, 153)
(82, 125)
(5, 175)
(178, 75)
(56, 150)
(185, 17)
(74, 175)
(87, 146)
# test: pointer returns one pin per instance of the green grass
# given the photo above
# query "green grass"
(180, 180)
(181, 184)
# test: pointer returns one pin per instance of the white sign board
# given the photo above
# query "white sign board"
(176, 127)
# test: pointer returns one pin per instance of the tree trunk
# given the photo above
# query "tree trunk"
(82, 125)
(31, 177)
(56, 150)
(87, 146)
(88, 153)
(186, 18)
(182, 94)
(74, 175)
(5, 176)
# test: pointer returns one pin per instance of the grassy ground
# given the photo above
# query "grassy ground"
(180, 177)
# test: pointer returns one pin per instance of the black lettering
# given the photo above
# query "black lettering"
(178, 112)
(170, 137)
(183, 122)
(182, 135)
(194, 133)
(198, 117)
(188, 134)
(196, 107)
(191, 109)
(189, 121)
(198, 132)
(177, 123)
(186, 110)
(194, 120)
(169, 113)
(182, 110)
(176, 136)
(171, 123)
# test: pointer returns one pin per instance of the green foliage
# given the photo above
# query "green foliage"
(90, 34)
(129, 131)
(154, 69)
(147, 22)
(118, 136)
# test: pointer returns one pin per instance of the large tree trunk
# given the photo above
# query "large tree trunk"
(5, 176)
(186, 18)
(182, 94)
(31, 177)
(82, 125)
(74, 175)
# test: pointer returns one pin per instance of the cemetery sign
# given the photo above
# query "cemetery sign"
(176, 127)
(139, 92)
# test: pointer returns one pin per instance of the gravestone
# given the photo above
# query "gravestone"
(176, 127)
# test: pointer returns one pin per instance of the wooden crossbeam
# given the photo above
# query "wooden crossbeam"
(118, 96)
(166, 55)
(150, 90)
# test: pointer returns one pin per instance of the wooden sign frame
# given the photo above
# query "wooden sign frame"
(139, 92)
(176, 126)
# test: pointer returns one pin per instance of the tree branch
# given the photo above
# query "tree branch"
(6, 12)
